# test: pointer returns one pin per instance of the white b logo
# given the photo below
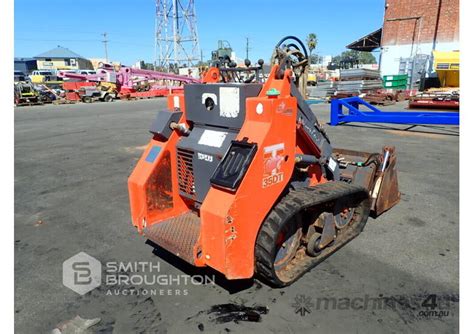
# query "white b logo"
(82, 273)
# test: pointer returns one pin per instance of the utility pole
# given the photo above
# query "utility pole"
(247, 48)
(105, 41)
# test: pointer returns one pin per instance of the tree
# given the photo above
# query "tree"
(366, 58)
(359, 57)
(203, 63)
(148, 66)
(315, 59)
(312, 41)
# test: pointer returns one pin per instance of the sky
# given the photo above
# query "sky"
(78, 25)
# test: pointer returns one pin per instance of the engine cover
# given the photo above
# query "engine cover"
(198, 156)
(217, 112)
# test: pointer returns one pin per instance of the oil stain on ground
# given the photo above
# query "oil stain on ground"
(230, 312)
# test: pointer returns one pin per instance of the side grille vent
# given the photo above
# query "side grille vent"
(185, 171)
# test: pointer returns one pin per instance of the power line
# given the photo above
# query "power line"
(109, 41)
(112, 41)
(56, 40)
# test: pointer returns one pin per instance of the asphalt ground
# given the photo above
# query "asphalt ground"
(71, 169)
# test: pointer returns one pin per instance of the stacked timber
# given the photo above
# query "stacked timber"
(322, 89)
(359, 74)
(359, 85)
(358, 80)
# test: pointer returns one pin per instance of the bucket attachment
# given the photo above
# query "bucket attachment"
(376, 172)
(385, 193)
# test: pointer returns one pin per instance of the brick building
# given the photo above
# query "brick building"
(412, 29)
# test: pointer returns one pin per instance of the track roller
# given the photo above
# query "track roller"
(305, 227)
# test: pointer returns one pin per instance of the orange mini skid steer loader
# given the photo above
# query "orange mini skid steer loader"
(241, 177)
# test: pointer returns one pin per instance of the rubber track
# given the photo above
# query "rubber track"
(292, 203)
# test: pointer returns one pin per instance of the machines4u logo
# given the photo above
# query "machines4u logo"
(273, 158)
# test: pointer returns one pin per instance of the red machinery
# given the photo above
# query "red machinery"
(132, 82)
(72, 89)
(443, 99)
(241, 177)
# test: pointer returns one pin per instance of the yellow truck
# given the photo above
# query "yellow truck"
(312, 79)
(446, 65)
(42, 76)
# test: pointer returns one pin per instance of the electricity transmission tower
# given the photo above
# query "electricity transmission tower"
(176, 37)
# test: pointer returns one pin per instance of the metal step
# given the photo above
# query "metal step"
(177, 235)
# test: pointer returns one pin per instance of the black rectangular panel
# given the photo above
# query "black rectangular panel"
(221, 105)
(161, 125)
(232, 168)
